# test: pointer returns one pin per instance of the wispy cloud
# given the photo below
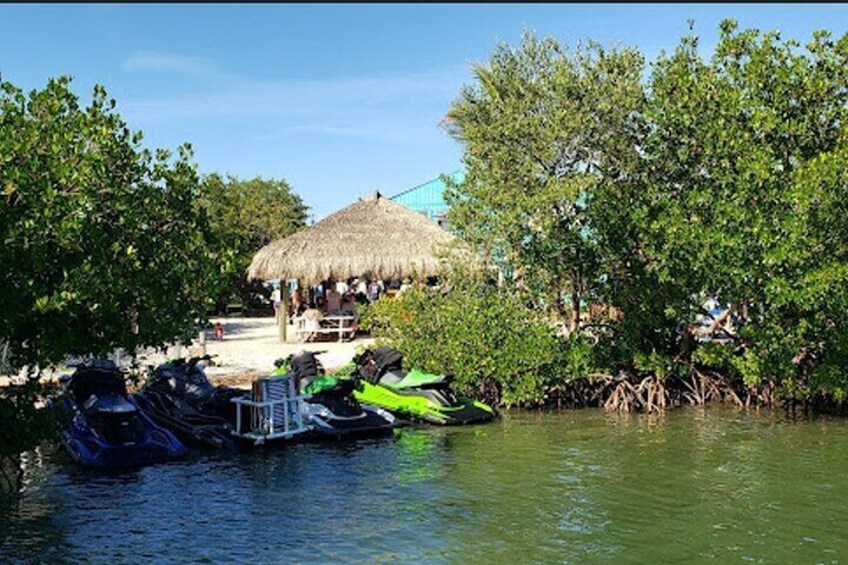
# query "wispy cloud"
(173, 63)
(244, 97)
(393, 107)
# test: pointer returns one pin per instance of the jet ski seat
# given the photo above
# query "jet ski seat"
(100, 379)
(399, 379)
(392, 378)
(109, 405)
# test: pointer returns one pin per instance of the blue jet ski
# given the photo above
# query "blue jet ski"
(107, 428)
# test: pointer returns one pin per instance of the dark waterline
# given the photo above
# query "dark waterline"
(572, 486)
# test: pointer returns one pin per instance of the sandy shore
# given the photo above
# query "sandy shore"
(251, 345)
(248, 350)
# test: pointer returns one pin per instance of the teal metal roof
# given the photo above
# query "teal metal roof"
(428, 198)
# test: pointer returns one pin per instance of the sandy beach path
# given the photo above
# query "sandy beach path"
(251, 345)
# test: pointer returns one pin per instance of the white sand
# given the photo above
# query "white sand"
(252, 344)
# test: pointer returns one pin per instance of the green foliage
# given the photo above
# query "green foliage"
(483, 335)
(722, 177)
(743, 194)
(246, 215)
(103, 244)
(540, 128)
(24, 419)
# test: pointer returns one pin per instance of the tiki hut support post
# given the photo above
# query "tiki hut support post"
(283, 312)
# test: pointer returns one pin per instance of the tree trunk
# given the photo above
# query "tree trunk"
(560, 307)
(686, 343)
(714, 326)
(575, 304)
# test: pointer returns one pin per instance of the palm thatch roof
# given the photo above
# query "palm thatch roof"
(373, 236)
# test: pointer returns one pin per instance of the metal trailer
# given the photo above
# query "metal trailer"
(276, 411)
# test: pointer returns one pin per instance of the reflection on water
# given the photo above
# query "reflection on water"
(573, 486)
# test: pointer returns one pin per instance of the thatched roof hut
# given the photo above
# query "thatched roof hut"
(373, 236)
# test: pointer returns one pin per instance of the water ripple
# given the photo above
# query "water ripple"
(543, 487)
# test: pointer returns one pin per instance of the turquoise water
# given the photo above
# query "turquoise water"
(567, 487)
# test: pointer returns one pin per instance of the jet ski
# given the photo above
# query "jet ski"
(107, 428)
(178, 396)
(414, 394)
(330, 407)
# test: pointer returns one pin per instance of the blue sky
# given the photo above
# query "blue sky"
(337, 99)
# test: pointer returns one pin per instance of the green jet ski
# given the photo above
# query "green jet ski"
(330, 406)
(415, 395)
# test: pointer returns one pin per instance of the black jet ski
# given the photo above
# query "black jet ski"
(179, 396)
(414, 394)
(107, 427)
(330, 407)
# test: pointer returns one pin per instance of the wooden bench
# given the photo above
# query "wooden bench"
(234, 308)
(342, 326)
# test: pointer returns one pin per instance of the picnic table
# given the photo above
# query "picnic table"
(343, 326)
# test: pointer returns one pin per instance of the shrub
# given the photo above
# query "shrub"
(485, 337)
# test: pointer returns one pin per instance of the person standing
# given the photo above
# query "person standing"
(373, 291)
(276, 299)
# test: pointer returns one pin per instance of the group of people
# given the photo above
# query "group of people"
(334, 298)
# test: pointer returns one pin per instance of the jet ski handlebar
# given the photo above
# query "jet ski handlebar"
(190, 360)
(281, 361)
(195, 360)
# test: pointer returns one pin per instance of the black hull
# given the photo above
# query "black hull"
(370, 424)
(187, 424)
(466, 416)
